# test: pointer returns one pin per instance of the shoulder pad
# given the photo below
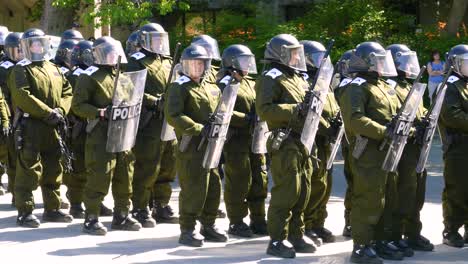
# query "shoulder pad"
(182, 79)
(138, 55)
(90, 70)
(452, 79)
(225, 80)
(392, 83)
(64, 70)
(305, 76)
(7, 64)
(274, 73)
(78, 72)
(345, 82)
(24, 62)
(359, 80)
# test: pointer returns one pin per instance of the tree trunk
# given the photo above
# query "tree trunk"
(54, 21)
(456, 14)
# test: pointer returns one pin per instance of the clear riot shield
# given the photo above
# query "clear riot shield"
(335, 146)
(319, 95)
(125, 114)
(54, 44)
(219, 126)
(167, 131)
(431, 119)
(403, 126)
(260, 136)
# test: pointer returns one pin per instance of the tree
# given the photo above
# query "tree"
(456, 14)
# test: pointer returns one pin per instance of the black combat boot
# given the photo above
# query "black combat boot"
(105, 211)
(302, 246)
(420, 243)
(387, 250)
(164, 214)
(57, 216)
(191, 238)
(77, 211)
(347, 231)
(404, 248)
(240, 229)
(365, 254)
(92, 226)
(124, 221)
(465, 236)
(282, 249)
(27, 220)
(325, 234)
(144, 218)
(452, 238)
(259, 227)
(312, 235)
(213, 234)
(64, 205)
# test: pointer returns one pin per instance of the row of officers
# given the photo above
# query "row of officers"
(57, 117)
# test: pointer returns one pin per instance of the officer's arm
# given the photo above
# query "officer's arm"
(67, 94)
(3, 111)
(134, 65)
(354, 111)
(23, 98)
(174, 111)
(452, 113)
(267, 109)
(80, 105)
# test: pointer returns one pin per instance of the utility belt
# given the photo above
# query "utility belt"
(148, 115)
(281, 134)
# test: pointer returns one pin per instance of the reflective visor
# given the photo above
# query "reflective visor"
(293, 56)
(245, 63)
(36, 48)
(383, 64)
(108, 53)
(408, 63)
(211, 47)
(461, 64)
(314, 59)
(156, 42)
(196, 68)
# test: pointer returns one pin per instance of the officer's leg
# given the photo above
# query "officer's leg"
(349, 188)
(77, 179)
(11, 164)
(210, 209)
(296, 224)
(258, 193)
(52, 175)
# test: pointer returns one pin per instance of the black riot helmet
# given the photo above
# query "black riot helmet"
(342, 66)
(372, 57)
(210, 44)
(12, 46)
(71, 34)
(195, 61)
(314, 52)
(35, 45)
(64, 53)
(132, 45)
(106, 51)
(406, 60)
(82, 54)
(154, 39)
(286, 49)
(458, 58)
(240, 58)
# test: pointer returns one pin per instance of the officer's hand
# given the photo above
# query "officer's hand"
(6, 130)
(419, 134)
(302, 109)
(307, 97)
(55, 117)
(105, 113)
(205, 132)
(158, 104)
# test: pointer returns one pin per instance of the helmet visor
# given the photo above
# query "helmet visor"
(245, 64)
(382, 64)
(461, 64)
(293, 56)
(195, 68)
(156, 42)
(211, 47)
(64, 55)
(36, 48)
(408, 63)
(108, 53)
(314, 59)
(14, 53)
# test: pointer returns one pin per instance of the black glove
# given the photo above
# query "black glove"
(158, 104)
(419, 133)
(307, 97)
(302, 109)
(205, 132)
(55, 117)
(105, 113)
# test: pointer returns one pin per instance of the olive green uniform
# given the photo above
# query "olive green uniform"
(368, 104)
(76, 180)
(453, 125)
(321, 181)
(7, 145)
(37, 88)
(279, 91)
(94, 90)
(189, 105)
(245, 186)
(155, 159)
(407, 182)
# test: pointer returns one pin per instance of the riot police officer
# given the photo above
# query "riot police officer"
(93, 100)
(43, 94)
(245, 172)
(133, 45)
(406, 218)
(454, 132)
(155, 161)
(63, 56)
(368, 105)
(330, 121)
(281, 102)
(72, 34)
(190, 102)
